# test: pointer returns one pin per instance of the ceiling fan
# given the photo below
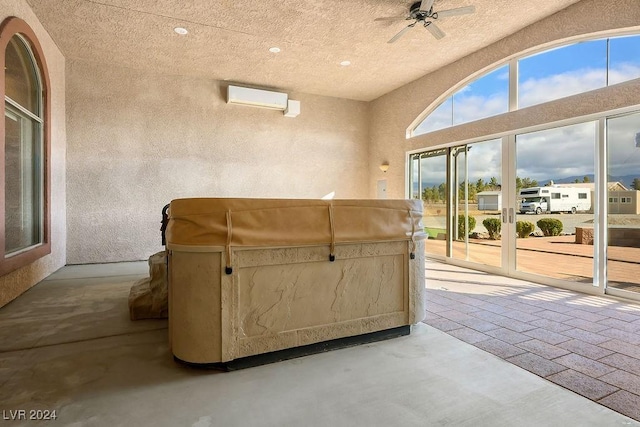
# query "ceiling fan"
(422, 12)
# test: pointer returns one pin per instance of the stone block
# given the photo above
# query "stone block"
(584, 235)
(148, 298)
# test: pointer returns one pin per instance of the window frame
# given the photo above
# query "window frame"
(513, 62)
(10, 27)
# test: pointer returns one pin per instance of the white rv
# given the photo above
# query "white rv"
(554, 199)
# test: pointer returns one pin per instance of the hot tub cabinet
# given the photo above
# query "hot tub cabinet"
(250, 277)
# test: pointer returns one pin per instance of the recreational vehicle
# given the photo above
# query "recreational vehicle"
(554, 199)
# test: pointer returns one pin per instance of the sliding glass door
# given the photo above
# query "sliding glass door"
(555, 192)
(623, 219)
(559, 205)
(476, 171)
(428, 182)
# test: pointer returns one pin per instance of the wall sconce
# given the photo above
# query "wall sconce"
(384, 167)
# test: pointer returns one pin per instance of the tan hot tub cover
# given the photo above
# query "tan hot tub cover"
(236, 223)
(280, 299)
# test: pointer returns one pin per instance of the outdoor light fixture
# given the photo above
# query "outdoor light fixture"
(384, 167)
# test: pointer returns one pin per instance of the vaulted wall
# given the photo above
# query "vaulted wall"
(138, 140)
(393, 113)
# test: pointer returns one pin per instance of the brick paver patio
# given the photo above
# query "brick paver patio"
(587, 344)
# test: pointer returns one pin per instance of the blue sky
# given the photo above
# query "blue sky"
(543, 77)
(580, 56)
(549, 75)
(495, 82)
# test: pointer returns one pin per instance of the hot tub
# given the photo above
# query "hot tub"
(256, 276)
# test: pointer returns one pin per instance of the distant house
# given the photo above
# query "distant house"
(489, 200)
(616, 186)
(621, 199)
(624, 202)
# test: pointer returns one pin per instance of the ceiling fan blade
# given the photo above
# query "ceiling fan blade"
(456, 12)
(435, 30)
(426, 5)
(391, 18)
(400, 34)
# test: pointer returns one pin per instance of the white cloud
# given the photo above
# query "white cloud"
(556, 153)
(537, 91)
(470, 108)
(623, 72)
(485, 160)
(624, 156)
(553, 153)
(504, 75)
(440, 118)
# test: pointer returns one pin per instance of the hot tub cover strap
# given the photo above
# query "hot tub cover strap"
(332, 246)
(412, 249)
(228, 267)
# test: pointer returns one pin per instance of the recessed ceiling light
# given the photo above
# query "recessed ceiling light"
(274, 50)
(345, 63)
(181, 31)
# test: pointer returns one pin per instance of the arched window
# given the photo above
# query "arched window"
(24, 160)
(485, 96)
(540, 77)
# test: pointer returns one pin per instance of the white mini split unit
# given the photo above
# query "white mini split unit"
(263, 99)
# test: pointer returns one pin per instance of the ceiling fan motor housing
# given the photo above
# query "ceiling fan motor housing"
(426, 17)
(417, 14)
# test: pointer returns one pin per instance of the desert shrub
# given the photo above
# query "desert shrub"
(462, 232)
(550, 226)
(493, 226)
(524, 228)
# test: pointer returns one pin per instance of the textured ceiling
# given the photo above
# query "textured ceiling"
(229, 40)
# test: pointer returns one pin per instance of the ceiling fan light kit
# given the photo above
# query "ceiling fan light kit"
(421, 12)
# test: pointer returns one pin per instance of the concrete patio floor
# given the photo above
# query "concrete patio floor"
(68, 345)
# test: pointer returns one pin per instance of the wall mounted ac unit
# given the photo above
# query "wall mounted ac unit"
(256, 97)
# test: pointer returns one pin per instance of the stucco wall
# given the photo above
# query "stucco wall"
(15, 283)
(138, 140)
(394, 112)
